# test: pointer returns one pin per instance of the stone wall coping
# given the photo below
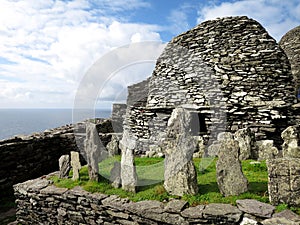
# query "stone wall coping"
(174, 211)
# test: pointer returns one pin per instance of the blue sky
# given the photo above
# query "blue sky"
(47, 46)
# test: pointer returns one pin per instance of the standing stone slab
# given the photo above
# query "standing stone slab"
(113, 146)
(230, 178)
(245, 138)
(94, 150)
(284, 181)
(64, 166)
(266, 150)
(291, 145)
(75, 164)
(180, 174)
(115, 175)
(128, 171)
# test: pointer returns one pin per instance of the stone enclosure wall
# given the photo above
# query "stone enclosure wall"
(27, 157)
(229, 71)
(39, 202)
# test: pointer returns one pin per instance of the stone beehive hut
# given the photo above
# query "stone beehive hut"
(229, 72)
(290, 43)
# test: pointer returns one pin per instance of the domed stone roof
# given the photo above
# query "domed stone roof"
(290, 43)
(230, 72)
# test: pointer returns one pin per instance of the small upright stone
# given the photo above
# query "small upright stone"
(75, 164)
(266, 150)
(180, 174)
(291, 145)
(245, 138)
(115, 175)
(230, 178)
(94, 150)
(128, 171)
(113, 146)
(64, 166)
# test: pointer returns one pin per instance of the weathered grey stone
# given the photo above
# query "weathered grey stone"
(279, 221)
(222, 213)
(115, 175)
(150, 206)
(180, 174)
(245, 139)
(266, 150)
(291, 145)
(284, 181)
(194, 212)
(94, 150)
(128, 171)
(224, 136)
(213, 149)
(290, 43)
(113, 146)
(230, 178)
(256, 208)
(175, 206)
(288, 214)
(75, 164)
(64, 166)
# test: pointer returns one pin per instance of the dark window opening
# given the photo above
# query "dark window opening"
(198, 125)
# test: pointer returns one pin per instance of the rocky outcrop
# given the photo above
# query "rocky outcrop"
(39, 202)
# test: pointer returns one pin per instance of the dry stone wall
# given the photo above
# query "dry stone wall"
(27, 157)
(39, 202)
(230, 71)
(290, 43)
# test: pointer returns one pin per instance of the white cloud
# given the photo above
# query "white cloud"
(53, 43)
(276, 16)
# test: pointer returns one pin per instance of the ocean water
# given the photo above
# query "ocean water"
(26, 121)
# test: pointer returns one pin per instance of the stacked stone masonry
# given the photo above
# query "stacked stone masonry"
(39, 202)
(230, 71)
(27, 157)
(290, 43)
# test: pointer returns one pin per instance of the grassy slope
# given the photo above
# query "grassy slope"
(150, 170)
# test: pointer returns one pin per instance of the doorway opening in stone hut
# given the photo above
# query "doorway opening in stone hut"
(198, 125)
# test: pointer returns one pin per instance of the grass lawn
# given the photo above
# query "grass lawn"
(150, 171)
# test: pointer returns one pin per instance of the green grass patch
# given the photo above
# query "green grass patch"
(151, 170)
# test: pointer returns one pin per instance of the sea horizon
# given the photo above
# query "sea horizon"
(25, 121)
